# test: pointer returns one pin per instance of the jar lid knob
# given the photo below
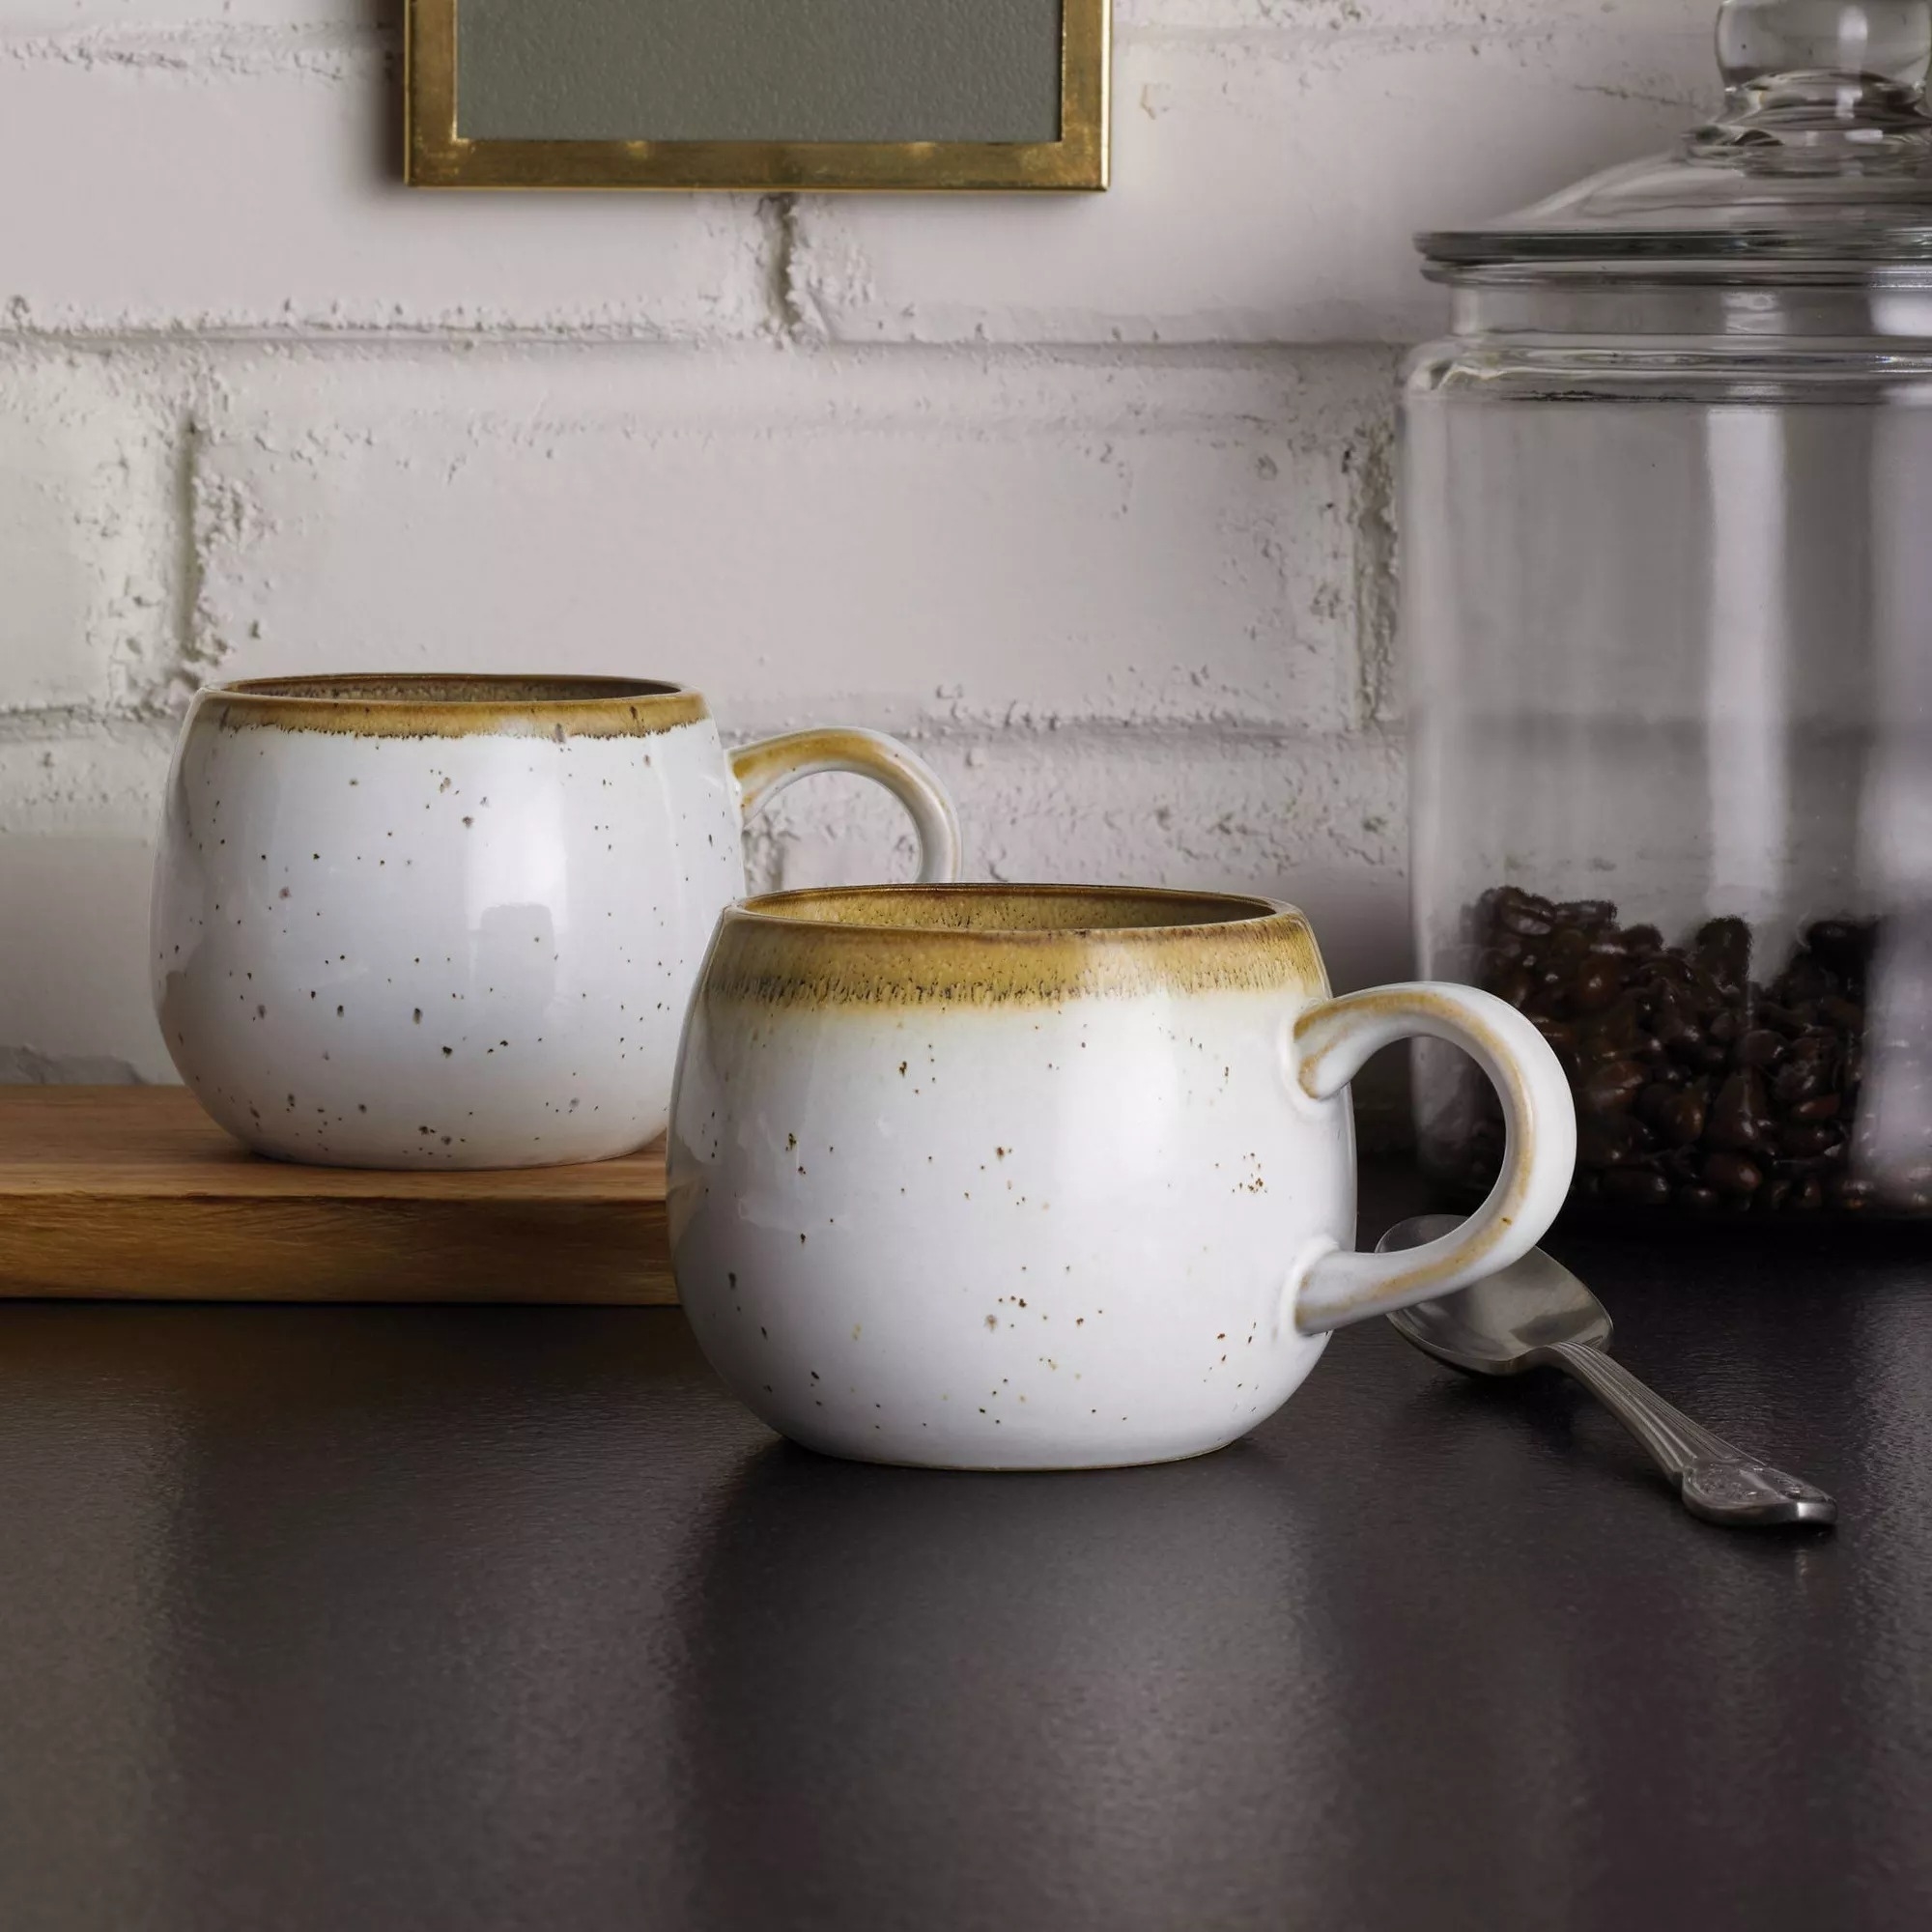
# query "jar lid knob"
(1841, 60)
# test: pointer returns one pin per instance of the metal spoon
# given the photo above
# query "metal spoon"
(1535, 1314)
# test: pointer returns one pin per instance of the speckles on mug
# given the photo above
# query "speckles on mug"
(417, 1015)
(641, 952)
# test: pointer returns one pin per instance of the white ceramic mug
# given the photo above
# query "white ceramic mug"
(453, 921)
(1030, 1178)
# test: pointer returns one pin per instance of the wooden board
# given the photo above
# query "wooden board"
(134, 1193)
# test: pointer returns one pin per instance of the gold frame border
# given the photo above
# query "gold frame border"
(437, 156)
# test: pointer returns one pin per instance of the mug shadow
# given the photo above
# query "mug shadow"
(1068, 1658)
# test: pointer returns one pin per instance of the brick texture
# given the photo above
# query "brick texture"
(86, 533)
(933, 540)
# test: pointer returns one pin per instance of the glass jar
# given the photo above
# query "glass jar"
(1667, 613)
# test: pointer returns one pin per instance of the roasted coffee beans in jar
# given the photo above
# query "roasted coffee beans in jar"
(1707, 1080)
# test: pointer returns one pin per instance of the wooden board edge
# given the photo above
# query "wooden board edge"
(549, 1253)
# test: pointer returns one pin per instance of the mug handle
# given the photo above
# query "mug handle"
(1331, 1042)
(764, 769)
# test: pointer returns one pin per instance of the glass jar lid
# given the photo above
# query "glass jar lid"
(1821, 162)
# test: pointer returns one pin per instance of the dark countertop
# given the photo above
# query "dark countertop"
(478, 1618)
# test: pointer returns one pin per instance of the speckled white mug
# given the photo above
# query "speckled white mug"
(1035, 1177)
(453, 921)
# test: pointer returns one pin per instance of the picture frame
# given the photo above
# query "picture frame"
(440, 154)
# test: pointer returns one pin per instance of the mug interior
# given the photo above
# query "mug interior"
(403, 704)
(999, 945)
(1008, 911)
(447, 687)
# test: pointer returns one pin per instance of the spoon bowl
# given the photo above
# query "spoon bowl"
(1495, 1326)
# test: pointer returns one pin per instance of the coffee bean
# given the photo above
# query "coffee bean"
(1524, 920)
(1842, 946)
(1610, 1086)
(1597, 1044)
(1732, 1173)
(1672, 1023)
(1739, 1118)
(1798, 1082)
(1586, 912)
(1824, 1108)
(1723, 946)
(1700, 1200)
(1757, 1048)
(1596, 986)
(1636, 1188)
(1565, 947)
(1682, 1120)
(1803, 1140)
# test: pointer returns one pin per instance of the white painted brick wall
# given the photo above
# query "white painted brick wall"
(1266, 183)
(1090, 496)
(88, 538)
(915, 540)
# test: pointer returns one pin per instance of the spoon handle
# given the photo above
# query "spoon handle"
(1714, 1480)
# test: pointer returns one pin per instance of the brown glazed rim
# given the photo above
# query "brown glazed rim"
(1005, 945)
(437, 704)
